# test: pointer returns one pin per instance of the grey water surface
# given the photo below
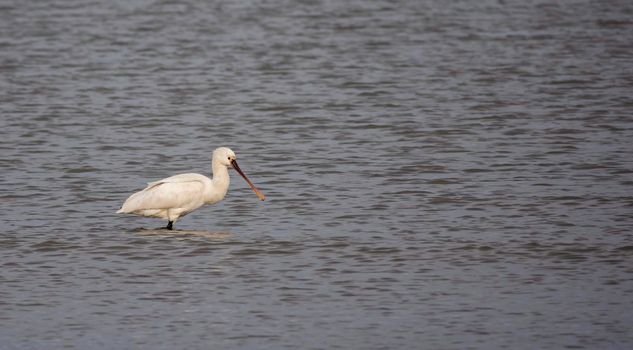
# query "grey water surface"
(439, 174)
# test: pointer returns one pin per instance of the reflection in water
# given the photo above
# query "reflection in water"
(185, 233)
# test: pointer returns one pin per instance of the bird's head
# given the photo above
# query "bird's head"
(224, 156)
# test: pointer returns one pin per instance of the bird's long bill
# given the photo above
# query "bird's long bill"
(257, 192)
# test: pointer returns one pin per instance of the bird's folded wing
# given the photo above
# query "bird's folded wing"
(173, 192)
(190, 177)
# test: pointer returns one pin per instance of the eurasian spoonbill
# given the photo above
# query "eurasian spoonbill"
(179, 195)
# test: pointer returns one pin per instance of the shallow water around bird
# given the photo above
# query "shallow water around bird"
(439, 175)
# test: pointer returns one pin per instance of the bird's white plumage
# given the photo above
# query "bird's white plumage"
(170, 198)
(176, 196)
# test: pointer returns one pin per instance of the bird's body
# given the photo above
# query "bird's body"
(176, 196)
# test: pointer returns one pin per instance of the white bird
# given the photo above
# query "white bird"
(179, 195)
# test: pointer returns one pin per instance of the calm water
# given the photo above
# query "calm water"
(440, 175)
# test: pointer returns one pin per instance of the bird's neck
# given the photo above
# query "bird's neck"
(220, 182)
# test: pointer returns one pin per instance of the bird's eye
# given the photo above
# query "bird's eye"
(229, 158)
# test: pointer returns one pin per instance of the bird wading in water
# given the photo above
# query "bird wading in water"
(176, 196)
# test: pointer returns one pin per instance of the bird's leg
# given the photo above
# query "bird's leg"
(170, 225)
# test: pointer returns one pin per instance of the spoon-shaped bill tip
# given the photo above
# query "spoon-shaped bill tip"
(259, 194)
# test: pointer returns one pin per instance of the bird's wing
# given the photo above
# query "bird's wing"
(189, 177)
(173, 192)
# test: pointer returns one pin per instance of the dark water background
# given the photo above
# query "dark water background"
(440, 174)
